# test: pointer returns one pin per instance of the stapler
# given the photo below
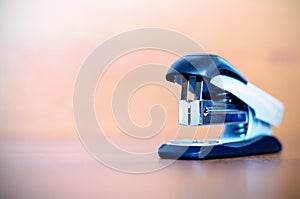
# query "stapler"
(221, 96)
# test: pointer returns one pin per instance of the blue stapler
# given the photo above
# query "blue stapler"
(222, 96)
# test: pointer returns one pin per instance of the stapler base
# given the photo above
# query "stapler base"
(259, 145)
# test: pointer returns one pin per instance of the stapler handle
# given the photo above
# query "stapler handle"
(202, 66)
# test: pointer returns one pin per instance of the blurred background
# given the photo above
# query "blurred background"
(44, 43)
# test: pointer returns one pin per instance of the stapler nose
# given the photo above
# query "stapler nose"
(199, 111)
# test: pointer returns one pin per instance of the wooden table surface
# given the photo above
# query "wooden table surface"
(63, 169)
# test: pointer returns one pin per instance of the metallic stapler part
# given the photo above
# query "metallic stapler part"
(198, 90)
(208, 112)
(184, 89)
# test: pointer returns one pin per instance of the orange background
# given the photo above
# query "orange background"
(44, 43)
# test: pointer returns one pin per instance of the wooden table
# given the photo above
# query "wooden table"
(63, 169)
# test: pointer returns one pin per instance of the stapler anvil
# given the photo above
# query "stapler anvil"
(222, 96)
